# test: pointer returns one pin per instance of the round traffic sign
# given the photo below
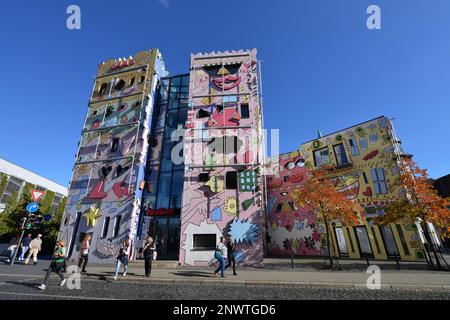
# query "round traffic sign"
(32, 207)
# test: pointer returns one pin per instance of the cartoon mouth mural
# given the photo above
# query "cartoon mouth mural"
(227, 82)
(351, 191)
(296, 178)
(275, 184)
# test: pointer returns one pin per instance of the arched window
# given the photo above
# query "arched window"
(102, 89)
(119, 85)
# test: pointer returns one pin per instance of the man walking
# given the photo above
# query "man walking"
(25, 245)
(231, 249)
(35, 248)
(57, 265)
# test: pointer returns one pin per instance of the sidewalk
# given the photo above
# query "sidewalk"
(275, 276)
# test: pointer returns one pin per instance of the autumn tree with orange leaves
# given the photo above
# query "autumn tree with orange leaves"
(320, 193)
(421, 201)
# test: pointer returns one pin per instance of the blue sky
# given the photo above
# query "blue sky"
(321, 67)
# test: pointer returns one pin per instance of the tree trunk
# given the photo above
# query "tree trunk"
(328, 242)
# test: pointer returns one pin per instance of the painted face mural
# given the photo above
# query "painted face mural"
(292, 225)
(225, 81)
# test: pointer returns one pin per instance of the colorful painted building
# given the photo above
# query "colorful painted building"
(180, 158)
(363, 161)
(106, 188)
(223, 185)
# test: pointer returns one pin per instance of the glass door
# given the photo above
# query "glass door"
(342, 245)
(389, 241)
(363, 242)
(173, 239)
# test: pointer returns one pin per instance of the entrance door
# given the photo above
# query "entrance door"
(389, 241)
(363, 242)
(166, 234)
(342, 245)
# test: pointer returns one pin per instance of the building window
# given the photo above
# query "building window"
(115, 145)
(353, 147)
(363, 241)
(102, 89)
(132, 81)
(203, 177)
(375, 238)
(231, 180)
(229, 99)
(341, 156)
(245, 112)
(203, 114)
(204, 242)
(117, 226)
(342, 245)
(321, 156)
(286, 178)
(379, 182)
(105, 227)
(119, 85)
(365, 177)
(279, 208)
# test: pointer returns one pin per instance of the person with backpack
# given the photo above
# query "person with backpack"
(35, 247)
(57, 265)
(220, 254)
(84, 252)
(122, 258)
(149, 255)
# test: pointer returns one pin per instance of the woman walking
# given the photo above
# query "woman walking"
(122, 258)
(57, 265)
(149, 250)
(221, 254)
(84, 252)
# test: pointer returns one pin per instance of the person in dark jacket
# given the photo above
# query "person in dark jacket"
(25, 245)
(148, 251)
(122, 258)
(230, 252)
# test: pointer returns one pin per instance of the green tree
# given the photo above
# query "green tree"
(3, 182)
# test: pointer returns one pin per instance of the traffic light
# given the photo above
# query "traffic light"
(34, 221)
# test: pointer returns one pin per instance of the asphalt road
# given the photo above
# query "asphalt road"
(23, 287)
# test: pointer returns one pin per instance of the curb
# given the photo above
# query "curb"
(266, 283)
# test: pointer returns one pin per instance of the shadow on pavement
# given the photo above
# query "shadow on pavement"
(192, 273)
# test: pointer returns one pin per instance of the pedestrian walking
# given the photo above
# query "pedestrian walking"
(25, 245)
(149, 255)
(84, 252)
(220, 254)
(122, 258)
(57, 265)
(231, 249)
(35, 248)
(12, 247)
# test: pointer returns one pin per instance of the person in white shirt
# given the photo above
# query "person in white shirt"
(221, 255)
(35, 247)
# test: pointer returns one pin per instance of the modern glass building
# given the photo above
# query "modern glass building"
(161, 203)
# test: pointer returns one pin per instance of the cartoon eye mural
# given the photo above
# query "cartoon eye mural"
(338, 137)
(290, 165)
(316, 144)
(300, 163)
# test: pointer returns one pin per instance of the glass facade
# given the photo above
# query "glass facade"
(161, 203)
